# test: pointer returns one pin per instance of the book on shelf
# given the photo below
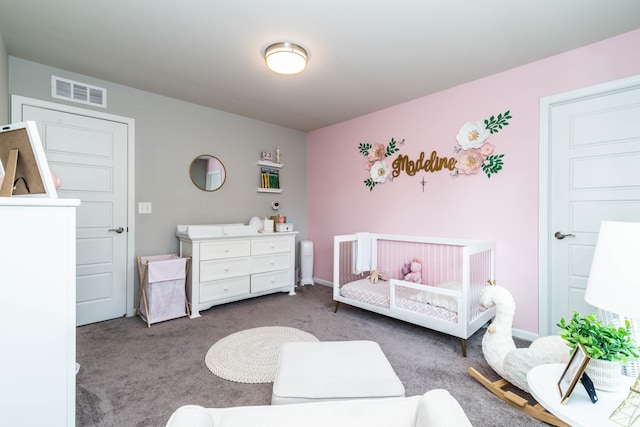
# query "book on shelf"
(270, 178)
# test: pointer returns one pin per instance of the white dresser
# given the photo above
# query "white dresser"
(37, 311)
(234, 267)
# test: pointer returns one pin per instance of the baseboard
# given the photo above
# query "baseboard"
(323, 282)
(525, 335)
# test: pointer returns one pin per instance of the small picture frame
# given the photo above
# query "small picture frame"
(572, 373)
(23, 165)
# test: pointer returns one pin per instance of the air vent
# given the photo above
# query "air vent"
(78, 92)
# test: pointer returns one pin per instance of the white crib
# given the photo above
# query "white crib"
(454, 273)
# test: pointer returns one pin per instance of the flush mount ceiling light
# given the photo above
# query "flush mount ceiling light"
(286, 58)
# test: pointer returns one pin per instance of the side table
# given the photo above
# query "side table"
(579, 411)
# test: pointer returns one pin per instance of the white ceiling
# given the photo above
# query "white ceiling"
(365, 55)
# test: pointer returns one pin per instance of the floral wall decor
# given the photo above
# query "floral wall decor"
(375, 164)
(475, 152)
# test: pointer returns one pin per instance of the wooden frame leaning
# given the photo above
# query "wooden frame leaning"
(572, 373)
(23, 165)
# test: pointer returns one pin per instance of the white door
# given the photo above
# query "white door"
(594, 175)
(89, 155)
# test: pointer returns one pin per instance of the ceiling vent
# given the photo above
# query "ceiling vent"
(78, 92)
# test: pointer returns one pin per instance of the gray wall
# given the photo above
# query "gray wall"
(169, 135)
(4, 84)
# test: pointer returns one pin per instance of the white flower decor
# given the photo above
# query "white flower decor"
(379, 172)
(472, 135)
(475, 152)
(375, 154)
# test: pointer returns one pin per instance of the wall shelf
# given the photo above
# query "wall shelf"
(270, 165)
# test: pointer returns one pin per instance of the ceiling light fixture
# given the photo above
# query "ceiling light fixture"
(286, 58)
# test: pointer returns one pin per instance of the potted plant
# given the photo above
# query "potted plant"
(607, 345)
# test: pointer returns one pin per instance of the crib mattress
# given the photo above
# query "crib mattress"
(378, 294)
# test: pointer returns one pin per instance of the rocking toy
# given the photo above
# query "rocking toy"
(512, 363)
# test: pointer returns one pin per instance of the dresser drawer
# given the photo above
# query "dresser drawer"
(272, 280)
(227, 288)
(223, 268)
(273, 262)
(270, 246)
(225, 249)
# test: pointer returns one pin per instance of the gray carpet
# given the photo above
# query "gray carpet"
(132, 375)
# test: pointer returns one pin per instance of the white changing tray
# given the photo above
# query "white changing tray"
(215, 230)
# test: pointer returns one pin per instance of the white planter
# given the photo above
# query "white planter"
(606, 375)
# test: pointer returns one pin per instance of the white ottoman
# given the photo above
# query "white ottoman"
(333, 370)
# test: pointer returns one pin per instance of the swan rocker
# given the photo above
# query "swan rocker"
(512, 363)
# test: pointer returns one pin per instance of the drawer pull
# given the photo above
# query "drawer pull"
(226, 288)
(227, 269)
(272, 280)
(272, 262)
(273, 246)
(226, 249)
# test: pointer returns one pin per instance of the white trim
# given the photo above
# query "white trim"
(322, 282)
(544, 234)
(524, 335)
(17, 103)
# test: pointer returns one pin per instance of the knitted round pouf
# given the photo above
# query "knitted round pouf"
(251, 356)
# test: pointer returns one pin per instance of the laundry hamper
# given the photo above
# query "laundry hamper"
(162, 288)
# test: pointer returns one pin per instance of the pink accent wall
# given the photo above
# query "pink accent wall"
(503, 208)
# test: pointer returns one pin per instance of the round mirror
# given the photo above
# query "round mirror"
(207, 172)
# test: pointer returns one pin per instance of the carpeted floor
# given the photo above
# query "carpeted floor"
(132, 375)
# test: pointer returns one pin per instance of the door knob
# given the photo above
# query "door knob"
(560, 235)
(117, 230)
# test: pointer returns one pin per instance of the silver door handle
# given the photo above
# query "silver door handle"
(117, 230)
(560, 235)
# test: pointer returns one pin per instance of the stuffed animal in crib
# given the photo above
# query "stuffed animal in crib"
(375, 275)
(499, 349)
(406, 269)
(415, 276)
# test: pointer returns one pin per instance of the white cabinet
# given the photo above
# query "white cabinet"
(231, 268)
(37, 311)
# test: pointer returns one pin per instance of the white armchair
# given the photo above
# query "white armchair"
(436, 408)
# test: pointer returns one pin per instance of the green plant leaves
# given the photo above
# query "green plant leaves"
(492, 164)
(364, 148)
(495, 124)
(370, 183)
(391, 147)
(604, 342)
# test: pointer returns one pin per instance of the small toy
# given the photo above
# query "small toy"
(406, 269)
(375, 275)
(415, 276)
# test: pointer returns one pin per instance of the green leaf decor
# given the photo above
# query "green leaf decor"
(492, 164)
(364, 148)
(600, 341)
(495, 124)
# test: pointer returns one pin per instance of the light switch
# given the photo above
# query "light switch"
(144, 207)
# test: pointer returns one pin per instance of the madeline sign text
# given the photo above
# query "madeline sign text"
(432, 164)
